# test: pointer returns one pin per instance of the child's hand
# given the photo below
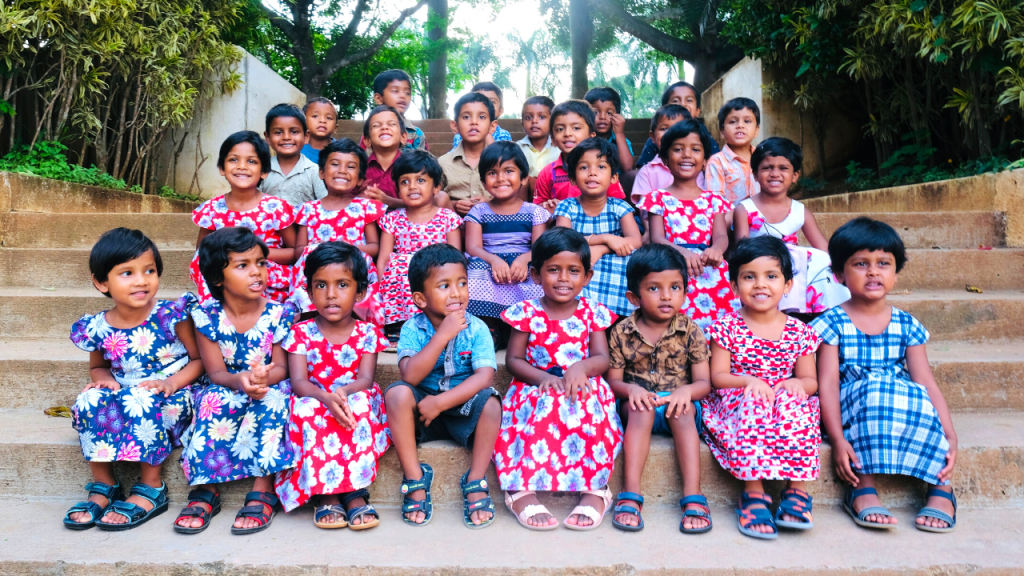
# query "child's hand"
(597, 251)
(259, 373)
(337, 403)
(618, 125)
(519, 271)
(711, 257)
(452, 325)
(550, 205)
(694, 265)
(795, 387)
(642, 399)
(500, 272)
(845, 460)
(551, 381)
(758, 388)
(164, 387)
(947, 472)
(462, 207)
(251, 390)
(108, 384)
(373, 192)
(619, 245)
(678, 402)
(429, 409)
(576, 381)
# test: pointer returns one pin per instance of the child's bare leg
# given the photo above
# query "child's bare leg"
(486, 435)
(150, 477)
(758, 487)
(940, 503)
(101, 472)
(637, 446)
(401, 408)
(687, 441)
(869, 500)
(261, 484)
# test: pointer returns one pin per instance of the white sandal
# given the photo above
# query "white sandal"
(590, 512)
(528, 512)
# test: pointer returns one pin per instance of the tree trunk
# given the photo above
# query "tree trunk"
(437, 69)
(703, 71)
(581, 31)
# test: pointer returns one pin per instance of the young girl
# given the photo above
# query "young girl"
(882, 409)
(560, 430)
(338, 428)
(607, 223)
(761, 420)
(244, 160)
(499, 234)
(406, 230)
(692, 221)
(241, 418)
(142, 361)
(776, 164)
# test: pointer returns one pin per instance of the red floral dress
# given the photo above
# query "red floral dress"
(751, 439)
(689, 223)
(330, 459)
(266, 220)
(548, 442)
(409, 237)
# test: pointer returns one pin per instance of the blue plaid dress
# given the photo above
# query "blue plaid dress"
(887, 418)
(608, 286)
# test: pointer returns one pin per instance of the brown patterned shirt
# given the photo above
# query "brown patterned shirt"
(664, 365)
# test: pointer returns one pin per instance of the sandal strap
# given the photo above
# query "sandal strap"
(796, 503)
(706, 514)
(256, 511)
(129, 510)
(755, 517)
(205, 496)
(156, 496)
(347, 499)
(414, 485)
(322, 511)
(481, 504)
(943, 494)
(854, 494)
(194, 512)
(930, 512)
(94, 510)
(476, 486)
(698, 499)
(361, 511)
(268, 498)
(410, 505)
(103, 489)
(626, 508)
(879, 510)
(749, 498)
(631, 497)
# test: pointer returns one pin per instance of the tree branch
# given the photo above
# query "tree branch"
(333, 59)
(280, 22)
(341, 47)
(646, 33)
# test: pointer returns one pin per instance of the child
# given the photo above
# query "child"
(692, 221)
(776, 163)
(499, 234)
(142, 362)
(474, 118)
(655, 175)
(321, 121)
(729, 172)
(762, 420)
(293, 176)
(384, 129)
(881, 407)
(659, 367)
(493, 93)
(337, 428)
(241, 418)
(406, 230)
(394, 88)
(572, 122)
(536, 144)
(447, 363)
(678, 94)
(560, 430)
(609, 123)
(607, 222)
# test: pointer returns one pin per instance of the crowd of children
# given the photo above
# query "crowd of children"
(622, 317)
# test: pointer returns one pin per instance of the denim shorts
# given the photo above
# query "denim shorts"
(661, 422)
(457, 424)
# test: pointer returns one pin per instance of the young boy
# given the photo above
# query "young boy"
(293, 177)
(394, 88)
(446, 359)
(474, 120)
(493, 93)
(384, 129)
(537, 143)
(681, 94)
(659, 366)
(321, 120)
(609, 123)
(728, 171)
(655, 175)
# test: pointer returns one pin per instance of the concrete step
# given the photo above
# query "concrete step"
(40, 230)
(22, 192)
(69, 268)
(929, 230)
(42, 459)
(954, 269)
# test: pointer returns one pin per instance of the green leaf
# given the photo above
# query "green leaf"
(918, 5)
(939, 42)
(938, 20)
(941, 57)
(803, 68)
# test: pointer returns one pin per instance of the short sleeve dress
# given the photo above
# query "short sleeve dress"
(134, 424)
(329, 458)
(548, 442)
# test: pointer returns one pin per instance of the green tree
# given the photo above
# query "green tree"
(575, 30)
(543, 62)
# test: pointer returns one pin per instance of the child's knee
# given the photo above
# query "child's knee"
(492, 410)
(399, 399)
(639, 419)
(684, 422)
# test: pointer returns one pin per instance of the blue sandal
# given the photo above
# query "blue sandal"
(627, 509)
(859, 517)
(702, 501)
(198, 496)
(795, 503)
(426, 505)
(360, 511)
(321, 512)
(111, 493)
(137, 515)
(747, 516)
(257, 512)
(485, 503)
(930, 512)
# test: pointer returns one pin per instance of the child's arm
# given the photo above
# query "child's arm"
(418, 366)
(843, 457)
(740, 223)
(619, 129)
(722, 376)
(374, 193)
(372, 246)
(714, 176)
(218, 373)
(597, 249)
(100, 375)
(189, 373)
(712, 255)
(285, 255)
(921, 373)
(805, 379)
(301, 238)
(656, 228)
(203, 233)
(813, 234)
(639, 397)
(500, 271)
(577, 377)
(387, 246)
(679, 401)
(522, 370)
(455, 239)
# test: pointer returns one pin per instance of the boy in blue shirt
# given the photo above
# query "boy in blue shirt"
(446, 358)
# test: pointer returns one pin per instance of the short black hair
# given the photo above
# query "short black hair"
(328, 253)
(667, 94)
(749, 249)
(380, 110)
(381, 81)
(603, 147)
(651, 259)
(428, 259)
(681, 130)
(317, 100)
(736, 104)
(499, 152)
(863, 233)
(414, 162)
(118, 246)
(539, 101)
(246, 137)
(490, 87)
(344, 146)
(779, 147)
(469, 99)
(604, 94)
(579, 107)
(557, 240)
(286, 111)
(215, 250)
(669, 111)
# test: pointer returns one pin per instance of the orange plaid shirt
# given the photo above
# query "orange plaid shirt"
(731, 176)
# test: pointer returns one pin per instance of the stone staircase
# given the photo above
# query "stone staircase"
(977, 354)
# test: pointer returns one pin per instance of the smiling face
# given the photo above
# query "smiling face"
(397, 94)
(562, 277)
(341, 173)
(685, 158)
(321, 119)
(417, 189)
(568, 130)
(661, 295)
(446, 290)
(242, 168)
(687, 98)
(386, 131)
(132, 284)
(536, 121)
(740, 128)
(760, 284)
(504, 180)
(473, 123)
(594, 174)
(603, 112)
(334, 292)
(245, 276)
(870, 275)
(775, 174)
(286, 136)
(663, 125)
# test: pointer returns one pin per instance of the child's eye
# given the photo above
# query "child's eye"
(321, 285)
(262, 263)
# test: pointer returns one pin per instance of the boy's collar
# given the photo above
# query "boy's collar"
(731, 154)
(301, 165)
(677, 324)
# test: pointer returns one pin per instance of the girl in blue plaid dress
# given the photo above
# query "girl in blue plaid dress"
(607, 223)
(880, 405)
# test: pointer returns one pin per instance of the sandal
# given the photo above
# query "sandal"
(360, 511)
(627, 509)
(930, 512)
(590, 512)
(426, 505)
(198, 496)
(699, 500)
(257, 512)
(321, 512)
(859, 517)
(797, 503)
(747, 516)
(485, 504)
(528, 512)
(137, 515)
(111, 493)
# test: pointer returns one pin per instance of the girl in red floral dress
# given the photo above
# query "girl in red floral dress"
(560, 430)
(244, 160)
(762, 419)
(338, 427)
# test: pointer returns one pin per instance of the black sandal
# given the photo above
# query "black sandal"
(197, 496)
(257, 512)
(111, 493)
(137, 515)
(360, 512)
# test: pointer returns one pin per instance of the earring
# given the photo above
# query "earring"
(785, 294)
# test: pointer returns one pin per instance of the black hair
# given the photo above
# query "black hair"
(428, 259)
(749, 249)
(380, 110)
(669, 111)
(778, 147)
(286, 111)
(604, 94)
(490, 87)
(317, 100)
(557, 240)
(215, 254)
(499, 152)
(414, 162)
(863, 233)
(603, 147)
(474, 97)
(381, 81)
(328, 253)
(579, 107)
(539, 101)
(344, 146)
(681, 130)
(118, 246)
(735, 105)
(667, 94)
(651, 259)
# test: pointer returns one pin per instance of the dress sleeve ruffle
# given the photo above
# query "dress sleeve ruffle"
(600, 317)
(915, 334)
(284, 322)
(304, 213)
(825, 327)
(295, 343)
(518, 315)
(373, 340)
(566, 208)
(809, 339)
(540, 215)
(202, 216)
(80, 332)
(652, 203)
(206, 317)
(170, 313)
(720, 330)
